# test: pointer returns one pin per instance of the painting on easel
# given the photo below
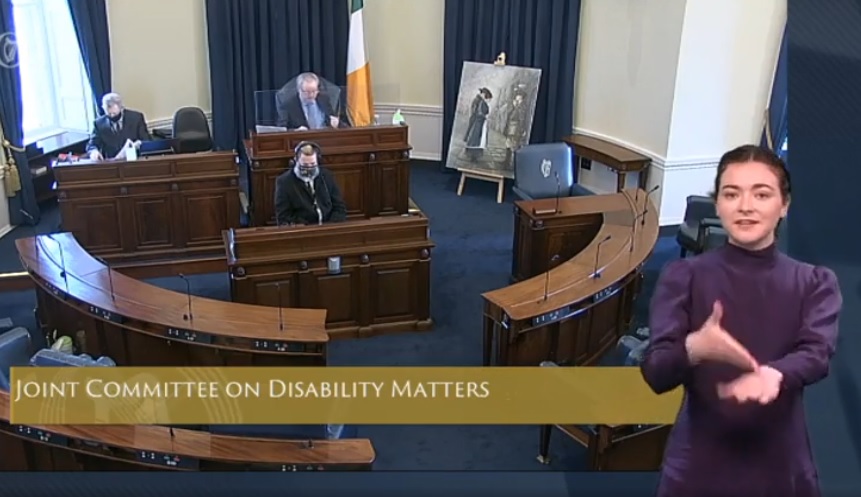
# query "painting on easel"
(493, 118)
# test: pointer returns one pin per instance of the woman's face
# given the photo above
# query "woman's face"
(750, 204)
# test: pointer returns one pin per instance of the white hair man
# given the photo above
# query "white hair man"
(308, 106)
(115, 128)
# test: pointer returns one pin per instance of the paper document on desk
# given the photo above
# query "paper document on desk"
(129, 151)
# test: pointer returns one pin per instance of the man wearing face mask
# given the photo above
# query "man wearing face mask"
(308, 193)
(117, 126)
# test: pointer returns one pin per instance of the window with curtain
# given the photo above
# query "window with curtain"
(56, 93)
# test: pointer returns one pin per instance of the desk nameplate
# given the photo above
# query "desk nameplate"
(105, 314)
(280, 346)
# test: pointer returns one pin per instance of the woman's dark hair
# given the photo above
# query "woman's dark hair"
(754, 153)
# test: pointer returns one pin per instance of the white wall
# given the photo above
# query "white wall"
(696, 86)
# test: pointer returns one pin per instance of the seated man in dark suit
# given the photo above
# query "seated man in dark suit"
(118, 126)
(309, 106)
(308, 193)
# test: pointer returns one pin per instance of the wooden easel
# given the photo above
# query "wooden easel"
(493, 178)
(480, 175)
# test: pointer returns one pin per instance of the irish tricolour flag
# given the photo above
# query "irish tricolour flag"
(360, 101)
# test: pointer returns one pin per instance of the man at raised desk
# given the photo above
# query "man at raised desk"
(115, 128)
(308, 193)
(308, 107)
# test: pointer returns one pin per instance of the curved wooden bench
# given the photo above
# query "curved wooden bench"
(138, 324)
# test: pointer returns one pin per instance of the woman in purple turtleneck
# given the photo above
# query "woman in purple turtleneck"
(743, 329)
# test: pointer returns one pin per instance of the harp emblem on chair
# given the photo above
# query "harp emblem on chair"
(546, 166)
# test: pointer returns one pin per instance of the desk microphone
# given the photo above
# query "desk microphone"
(32, 222)
(541, 212)
(597, 274)
(553, 260)
(172, 436)
(110, 277)
(188, 317)
(280, 305)
(62, 259)
(646, 204)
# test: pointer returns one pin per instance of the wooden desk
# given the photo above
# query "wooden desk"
(370, 164)
(165, 207)
(137, 448)
(138, 324)
(620, 159)
(383, 284)
(565, 315)
(614, 447)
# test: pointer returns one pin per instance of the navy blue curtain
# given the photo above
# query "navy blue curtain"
(260, 45)
(91, 27)
(540, 34)
(11, 116)
(777, 118)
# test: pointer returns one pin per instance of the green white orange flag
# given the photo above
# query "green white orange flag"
(360, 100)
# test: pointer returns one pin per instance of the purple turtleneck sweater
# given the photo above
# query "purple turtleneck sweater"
(785, 313)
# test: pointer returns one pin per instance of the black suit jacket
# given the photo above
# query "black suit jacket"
(109, 143)
(295, 204)
(291, 114)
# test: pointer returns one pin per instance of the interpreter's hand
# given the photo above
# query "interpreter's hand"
(95, 155)
(712, 343)
(762, 386)
(334, 121)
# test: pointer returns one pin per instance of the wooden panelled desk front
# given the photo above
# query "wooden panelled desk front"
(564, 314)
(371, 165)
(157, 208)
(138, 324)
(372, 275)
(137, 448)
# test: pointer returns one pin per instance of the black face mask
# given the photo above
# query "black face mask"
(116, 118)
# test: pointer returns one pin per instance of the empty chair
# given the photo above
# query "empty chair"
(191, 131)
(700, 213)
(56, 358)
(536, 168)
(713, 237)
(14, 351)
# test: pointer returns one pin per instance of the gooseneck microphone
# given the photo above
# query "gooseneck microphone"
(280, 308)
(596, 273)
(62, 258)
(110, 277)
(555, 210)
(553, 260)
(32, 222)
(189, 316)
(646, 204)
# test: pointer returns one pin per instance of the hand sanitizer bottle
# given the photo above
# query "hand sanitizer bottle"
(398, 118)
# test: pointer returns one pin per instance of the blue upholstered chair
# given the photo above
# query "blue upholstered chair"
(55, 358)
(536, 168)
(700, 214)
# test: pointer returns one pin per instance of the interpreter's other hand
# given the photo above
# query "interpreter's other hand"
(712, 343)
(95, 155)
(302, 128)
(334, 121)
(762, 386)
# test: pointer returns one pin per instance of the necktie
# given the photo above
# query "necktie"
(311, 115)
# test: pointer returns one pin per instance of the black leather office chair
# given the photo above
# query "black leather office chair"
(713, 237)
(700, 214)
(191, 131)
(535, 170)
